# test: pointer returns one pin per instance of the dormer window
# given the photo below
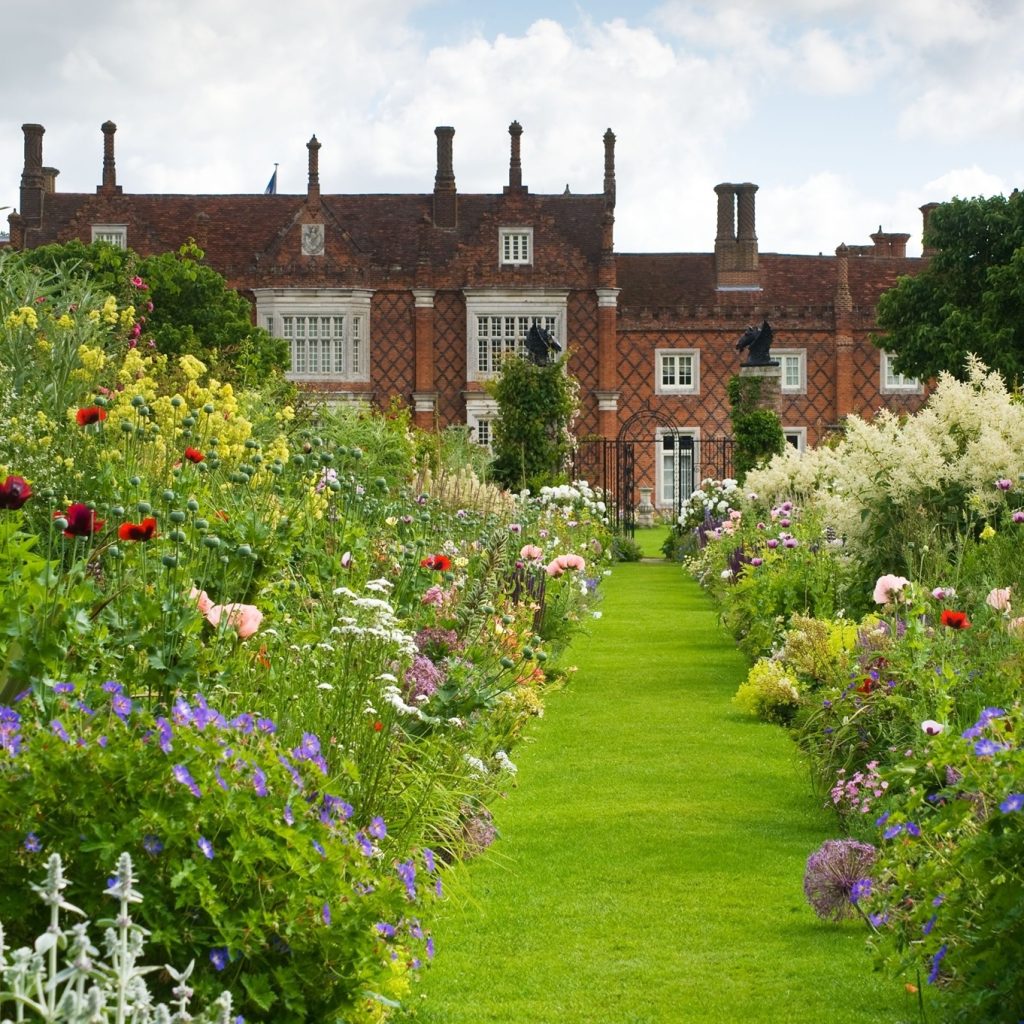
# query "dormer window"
(516, 246)
(112, 234)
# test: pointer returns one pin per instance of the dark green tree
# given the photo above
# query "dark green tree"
(757, 431)
(536, 405)
(194, 311)
(970, 297)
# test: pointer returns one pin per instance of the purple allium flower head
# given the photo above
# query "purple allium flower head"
(205, 846)
(1014, 802)
(422, 678)
(219, 958)
(832, 872)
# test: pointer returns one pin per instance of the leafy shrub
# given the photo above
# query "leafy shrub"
(254, 859)
(768, 692)
(626, 549)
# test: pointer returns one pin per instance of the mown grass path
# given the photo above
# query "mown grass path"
(652, 857)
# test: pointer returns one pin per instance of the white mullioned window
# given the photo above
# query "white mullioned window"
(677, 371)
(792, 370)
(497, 324)
(516, 245)
(327, 330)
(896, 382)
(112, 234)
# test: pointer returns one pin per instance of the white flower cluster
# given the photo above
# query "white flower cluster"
(968, 435)
(714, 499)
(578, 495)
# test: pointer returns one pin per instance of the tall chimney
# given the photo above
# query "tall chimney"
(726, 219)
(609, 169)
(445, 195)
(515, 164)
(745, 210)
(33, 180)
(843, 298)
(889, 243)
(109, 186)
(313, 187)
(926, 215)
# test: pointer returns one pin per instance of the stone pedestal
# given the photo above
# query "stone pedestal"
(770, 375)
(645, 510)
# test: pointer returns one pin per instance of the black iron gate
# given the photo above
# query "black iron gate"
(685, 460)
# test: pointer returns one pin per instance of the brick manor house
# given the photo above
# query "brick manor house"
(419, 296)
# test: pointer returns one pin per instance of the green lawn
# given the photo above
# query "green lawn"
(651, 862)
(650, 539)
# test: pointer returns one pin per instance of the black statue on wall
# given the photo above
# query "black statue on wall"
(541, 347)
(759, 341)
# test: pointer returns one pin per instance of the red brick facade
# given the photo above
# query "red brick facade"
(401, 283)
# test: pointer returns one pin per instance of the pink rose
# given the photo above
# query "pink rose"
(888, 588)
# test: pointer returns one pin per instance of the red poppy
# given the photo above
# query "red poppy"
(146, 530)
(442, 563)
(14, 492)
(867, 685)
(378, 725)
(91, 414)
(194, 455)
(82, 521)
(955, 620)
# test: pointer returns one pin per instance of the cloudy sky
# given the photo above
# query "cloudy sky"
(849, 114)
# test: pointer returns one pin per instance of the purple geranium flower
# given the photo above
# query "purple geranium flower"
(205, 846)
(1014, 802)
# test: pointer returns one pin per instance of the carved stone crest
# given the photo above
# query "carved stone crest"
(312, 239)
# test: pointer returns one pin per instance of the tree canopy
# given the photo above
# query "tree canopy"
(970, 297)
(194, 310)
(536, 405)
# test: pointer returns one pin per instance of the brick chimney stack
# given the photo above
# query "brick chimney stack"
(50, 180)
(609, 169)
(313, 188)
(515, 164)
(445, 194)
(33, 180)
(889, 243)
(736, 260)
(109, 186)
(926, 216)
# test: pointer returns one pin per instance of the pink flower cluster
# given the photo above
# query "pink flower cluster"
(858, 791)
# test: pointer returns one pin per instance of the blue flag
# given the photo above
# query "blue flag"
(271, 189)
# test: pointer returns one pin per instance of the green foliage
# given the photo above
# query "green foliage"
(250, 849)
(626, 549)
(86, 987)
(947, 890)
(536, 404)
(185, 306)
(768, 693)
(757, 432)
(968, 299)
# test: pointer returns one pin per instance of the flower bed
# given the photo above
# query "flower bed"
(876, 585)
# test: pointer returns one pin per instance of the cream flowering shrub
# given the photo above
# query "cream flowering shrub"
(898, 475)
(769, 692)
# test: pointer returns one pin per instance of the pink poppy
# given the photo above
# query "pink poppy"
(888, 588)
(202, 600)
(245, 619)
(999, 599)
(531, 553)
(554, 569)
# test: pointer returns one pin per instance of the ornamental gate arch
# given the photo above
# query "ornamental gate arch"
(650, 451)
